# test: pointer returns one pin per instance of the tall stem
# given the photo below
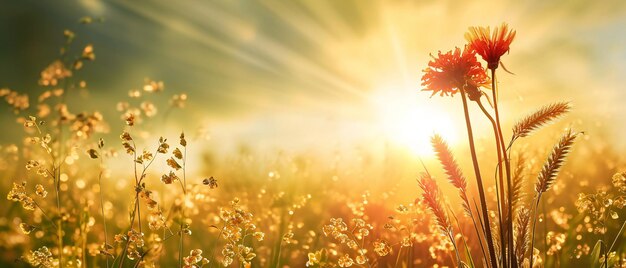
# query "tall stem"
(104, 220)
(57, 190)
(182, 211)
(500, 185)
(507, 165)
(532, 235)
(479, 180)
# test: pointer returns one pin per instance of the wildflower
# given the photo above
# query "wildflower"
(40, 191)
(345, 261)
(288, 237)
(177, 153)
(41, 257)
(172, 163)
(382, 248)
(130, 119)
(490, 46)
(314, 258)
(178, 101)
(18, 194)
(27, 228)
(85, 124)
(183, 141)
(88, 53)
(452, 71)
(163, 146)
(120, 238)
(169, 178)
(32, 164)
(195, 259)
(148, 108)
(619, 181)
(211, 182)
(258, 236)
(153, 86)
(126, 136)
(93, 154)
(361, 259)
(55, 72)
(146, 156)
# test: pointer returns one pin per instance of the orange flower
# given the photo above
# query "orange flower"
(454, 70)
(490, 46)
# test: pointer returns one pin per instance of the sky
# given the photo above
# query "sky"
(321, 74)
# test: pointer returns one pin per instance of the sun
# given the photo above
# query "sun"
(408, 120)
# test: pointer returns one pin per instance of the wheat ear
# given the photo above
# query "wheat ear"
(548, 174)
(539, 118)
(556, 159)
(521, 234)
(517, 183)
(431, 197)
(452, 169)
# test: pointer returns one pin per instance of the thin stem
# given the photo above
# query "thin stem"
(398, 256)
(606, 252)
(104, 220)
(532, 236)
(44, 214)
(500, 186)
(463, 238)
(212, 259)
(182, 211)
(456, 249)
(482, 228)
(507, 165)
(57, 189)
(361, 249)
(617, 236)
(479, 180)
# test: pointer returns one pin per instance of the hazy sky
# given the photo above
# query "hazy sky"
(293, 73)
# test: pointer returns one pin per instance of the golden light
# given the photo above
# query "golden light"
(409, 120)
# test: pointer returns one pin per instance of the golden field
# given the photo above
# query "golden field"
(313, 134)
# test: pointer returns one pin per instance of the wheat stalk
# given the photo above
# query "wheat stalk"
(452, 169)
(556, 159)
(539, 118)
(521, 234)
(517, 182)
(431, 197)
(548, 174)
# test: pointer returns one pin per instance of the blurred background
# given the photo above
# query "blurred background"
(322, 75)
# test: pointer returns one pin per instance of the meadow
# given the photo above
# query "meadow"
(126, 191)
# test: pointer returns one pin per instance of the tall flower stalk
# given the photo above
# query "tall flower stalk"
(450, 73)
(459, 71)
(491, 47)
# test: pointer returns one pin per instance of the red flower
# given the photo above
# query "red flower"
(454, 70)
(490, 46)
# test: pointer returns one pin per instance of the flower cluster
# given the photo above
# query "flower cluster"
(456, 70)
(134, 240)
(54, 73)
(18, 101)
(195, 259)
(41, 258)
(156, 220)
(83, 125)
(18, 194)
(238, 223)
(338, 230)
